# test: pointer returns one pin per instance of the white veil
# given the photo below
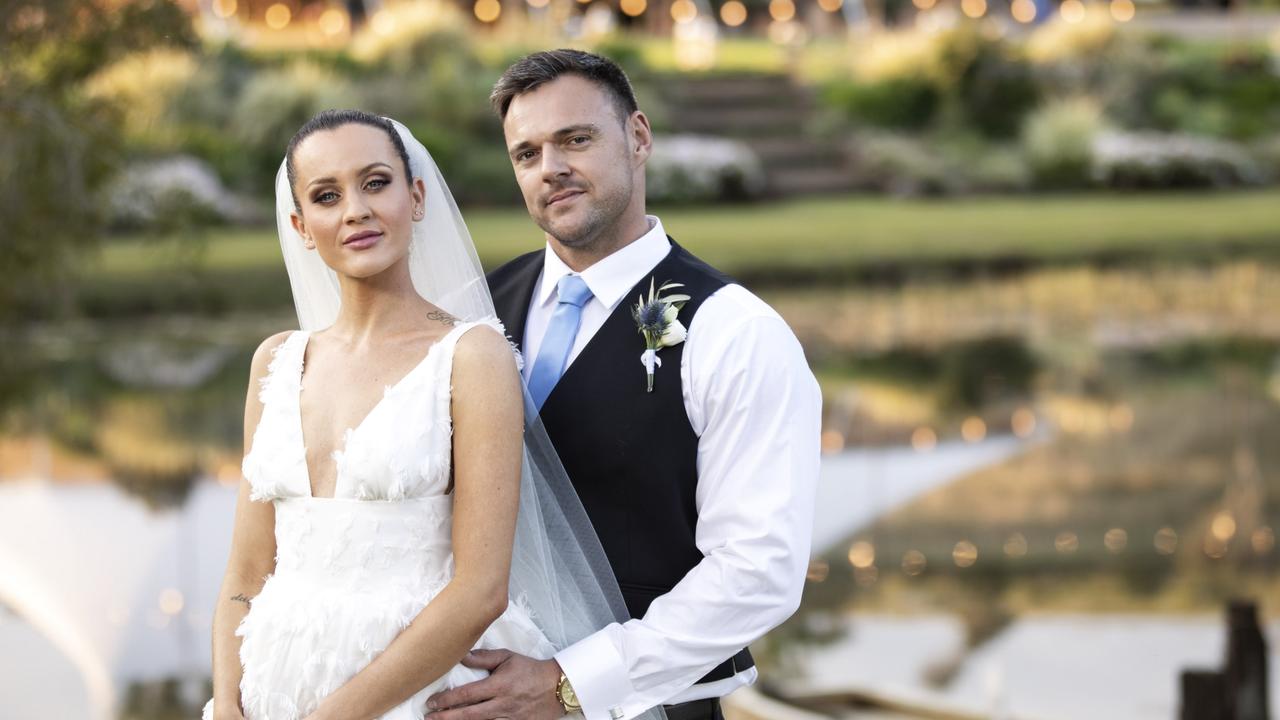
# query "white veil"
(558, 565)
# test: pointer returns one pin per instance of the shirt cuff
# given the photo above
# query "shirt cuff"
(598, 675)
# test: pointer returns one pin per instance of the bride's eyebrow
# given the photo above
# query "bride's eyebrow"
(364, 170)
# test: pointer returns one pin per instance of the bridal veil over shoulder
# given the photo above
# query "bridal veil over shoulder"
(560, 574)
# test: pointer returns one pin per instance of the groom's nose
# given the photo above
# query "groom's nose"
(555, 164)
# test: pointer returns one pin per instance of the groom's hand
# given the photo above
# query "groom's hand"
(518, 687)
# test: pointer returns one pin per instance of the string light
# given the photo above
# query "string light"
(1066, 542)
(1016, 545)
(914, 562)
(1166, 541)
(630, 8)
(862, 554)
(965, 554)
(973, 429)
(831, 6)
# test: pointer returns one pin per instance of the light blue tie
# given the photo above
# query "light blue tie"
(573, 293)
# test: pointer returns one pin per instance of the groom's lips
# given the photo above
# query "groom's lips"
(362, 240)
(565, 195)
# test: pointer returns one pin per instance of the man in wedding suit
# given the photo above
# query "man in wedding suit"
(702, 489)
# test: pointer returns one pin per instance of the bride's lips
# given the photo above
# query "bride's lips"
(562, 196)
(362, 240)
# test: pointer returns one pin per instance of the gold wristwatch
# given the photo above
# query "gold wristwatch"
(567, 697)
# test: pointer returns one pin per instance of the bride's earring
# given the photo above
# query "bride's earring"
(417, 214)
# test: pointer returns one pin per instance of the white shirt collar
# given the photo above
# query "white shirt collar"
(613, 276)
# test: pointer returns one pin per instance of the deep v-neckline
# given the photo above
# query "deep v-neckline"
(349, 433)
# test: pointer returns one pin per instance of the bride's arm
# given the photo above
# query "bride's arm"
(253, 549)
(488, 442)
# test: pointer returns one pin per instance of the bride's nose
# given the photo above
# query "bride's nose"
(356, 209)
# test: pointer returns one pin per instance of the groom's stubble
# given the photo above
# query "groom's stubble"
(599, 232)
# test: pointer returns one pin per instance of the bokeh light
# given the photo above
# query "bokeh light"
(964, 554)
(973, 8)
(224, 8)
(683, 11)
(733, 14)
(973, 429)
(1015, 546)
(1166, 541)
(924, 439)
(488, 11)
(333, 21)
(1072, 11)
(1116, 540)
(1123, 10)
(1223, 527)
(1024, 11)
(782, 10)
(1066, 542)
(914, 562)
(278, 16)
(862, 554)
(1024, 422)
(630, 8)
(1263, 540)
(831, 6)
(171, 601)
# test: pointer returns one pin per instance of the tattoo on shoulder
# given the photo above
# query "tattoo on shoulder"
(441, 316)
(241, 598)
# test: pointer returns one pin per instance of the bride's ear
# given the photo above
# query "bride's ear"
(300, 227)
(418, 191)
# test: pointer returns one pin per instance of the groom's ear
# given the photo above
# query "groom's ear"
(301, 228)
(640, 137)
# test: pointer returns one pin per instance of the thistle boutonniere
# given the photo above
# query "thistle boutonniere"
(656, 320)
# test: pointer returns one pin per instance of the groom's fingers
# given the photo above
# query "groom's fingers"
(486, 659)
(469, 694)
(483, 711)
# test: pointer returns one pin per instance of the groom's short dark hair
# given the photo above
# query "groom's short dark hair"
(533, 71)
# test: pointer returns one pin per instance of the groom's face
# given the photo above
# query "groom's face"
(573, 159)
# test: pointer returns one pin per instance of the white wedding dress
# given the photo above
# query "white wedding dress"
(354, 570)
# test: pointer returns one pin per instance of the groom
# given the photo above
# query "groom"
(701, 490)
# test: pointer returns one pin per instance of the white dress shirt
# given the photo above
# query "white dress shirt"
(756, 409)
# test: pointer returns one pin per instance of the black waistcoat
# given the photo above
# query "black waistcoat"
(630, 454)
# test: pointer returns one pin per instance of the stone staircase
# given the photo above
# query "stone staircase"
(768, 113)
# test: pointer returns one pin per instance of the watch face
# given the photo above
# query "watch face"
(567, 695)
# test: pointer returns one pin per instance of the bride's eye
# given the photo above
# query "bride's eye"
(377, 183)
(325, 197)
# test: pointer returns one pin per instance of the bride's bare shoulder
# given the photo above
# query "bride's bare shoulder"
(265, 352)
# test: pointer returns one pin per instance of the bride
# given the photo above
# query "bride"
(395, 512)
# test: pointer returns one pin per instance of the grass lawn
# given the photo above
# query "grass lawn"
(850, 236)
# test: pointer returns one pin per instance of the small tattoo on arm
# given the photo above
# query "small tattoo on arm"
(241, 598)
(441, 316)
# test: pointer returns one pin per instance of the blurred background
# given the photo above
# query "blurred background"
(1032, 249)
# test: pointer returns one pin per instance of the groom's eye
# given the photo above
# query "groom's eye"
(525, 156)
(579, 139)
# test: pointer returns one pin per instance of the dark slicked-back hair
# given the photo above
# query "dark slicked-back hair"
(532, 71)
(332, 120)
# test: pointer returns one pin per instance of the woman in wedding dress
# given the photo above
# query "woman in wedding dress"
(387, 465)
